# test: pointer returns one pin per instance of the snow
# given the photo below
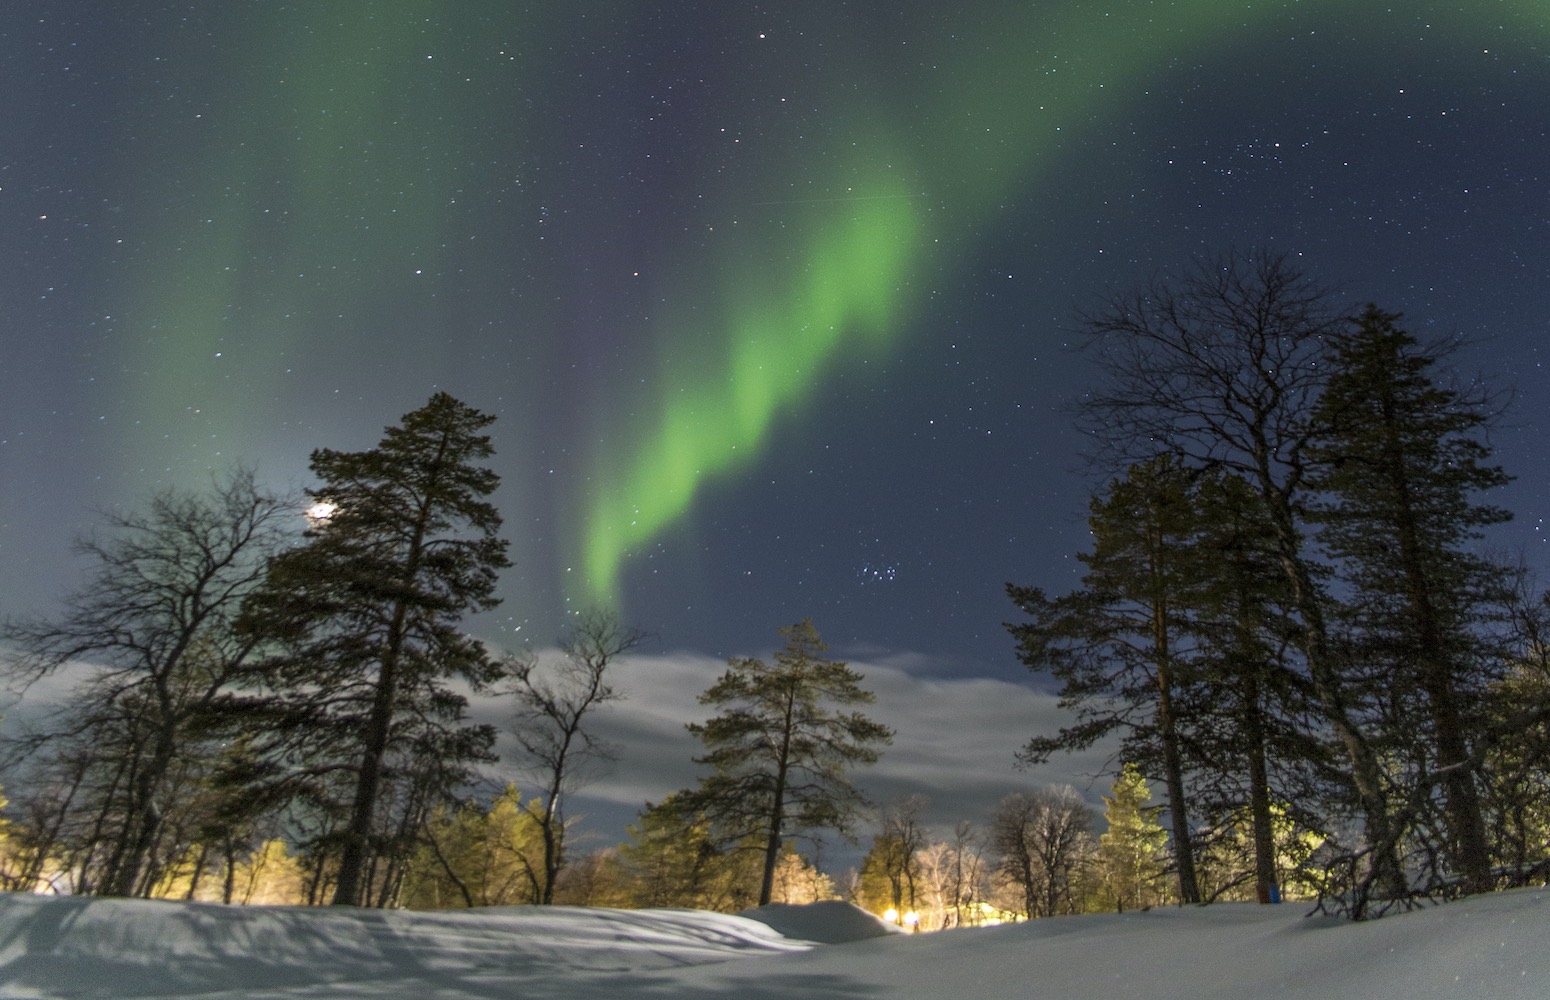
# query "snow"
(1495, 946)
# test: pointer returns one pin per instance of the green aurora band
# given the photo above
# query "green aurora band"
(359, 118)
(1005, 116)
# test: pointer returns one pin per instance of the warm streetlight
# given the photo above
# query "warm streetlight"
(912, 920)
(891, 915)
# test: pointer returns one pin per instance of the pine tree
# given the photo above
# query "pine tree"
(1242, 721)
(780, 750)
(365, 616)
(1401, 465)
(1119, 644)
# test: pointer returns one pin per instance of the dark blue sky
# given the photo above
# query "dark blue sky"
(240, 232)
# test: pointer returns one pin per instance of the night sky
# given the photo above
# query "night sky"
(774, 303)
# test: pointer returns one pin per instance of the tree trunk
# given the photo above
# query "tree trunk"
(772, 843)
(1265, 889)
(357, 839)
(1173, 766)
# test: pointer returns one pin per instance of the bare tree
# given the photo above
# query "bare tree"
(553, 704)
(152, 634)
(902, 840)
(1042, 840)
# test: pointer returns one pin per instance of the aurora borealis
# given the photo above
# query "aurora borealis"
(771, 301)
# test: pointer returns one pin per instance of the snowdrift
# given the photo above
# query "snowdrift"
(1497, 947)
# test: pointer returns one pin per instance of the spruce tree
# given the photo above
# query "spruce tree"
(1402, 466)
(780, 750)
(364, 619)
(1130, 851)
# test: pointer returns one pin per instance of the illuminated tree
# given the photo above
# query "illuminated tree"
(890, 873)
(363, 621)
(780, 750)
(475, 855)
(673, 859)
(1043, 845)
(1131, 858)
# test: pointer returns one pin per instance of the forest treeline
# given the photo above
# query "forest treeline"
(1287, 624)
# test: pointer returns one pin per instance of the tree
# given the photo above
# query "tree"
(1129, 861)
(1043, 844)
(673, 860)
(1222, 366)
(1119, 645)
(890, 872)
(1400, 463)
(155, 625)
(780, 750)
(1245, 719)
(950, 877)
(364, 618)
(552, 706)
(476, 856)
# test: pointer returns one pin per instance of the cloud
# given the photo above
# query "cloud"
(955, 740)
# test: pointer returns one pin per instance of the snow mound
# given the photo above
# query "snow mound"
(830, 922)
(101, 948)
(1490, 946)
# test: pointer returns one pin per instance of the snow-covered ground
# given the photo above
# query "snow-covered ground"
(1495, 947)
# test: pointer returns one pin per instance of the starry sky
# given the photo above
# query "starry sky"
(774, 302)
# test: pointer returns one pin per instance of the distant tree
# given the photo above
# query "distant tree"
(152, 634)
(363, 621)
(596, 878)
(1401, 464)
(951, 872)
(553, 703)
(1130, 861)
(798, 881)
(780, 750)
(1043, 845)
(905, 837)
